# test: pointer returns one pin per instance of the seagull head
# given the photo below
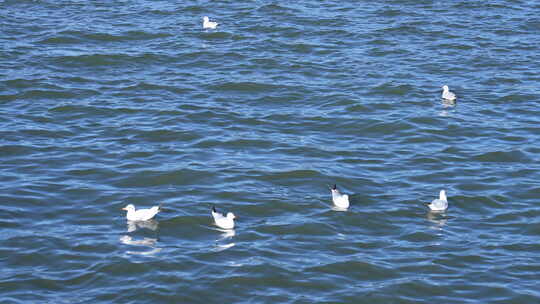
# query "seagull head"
(205, 19)
(445, 88)
(129, 207)
(442, 195)
(231, 216)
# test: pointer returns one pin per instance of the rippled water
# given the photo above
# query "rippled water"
(105, 103)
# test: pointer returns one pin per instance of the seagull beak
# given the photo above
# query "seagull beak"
(124, 208)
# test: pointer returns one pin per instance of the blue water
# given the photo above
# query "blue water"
(107, 103)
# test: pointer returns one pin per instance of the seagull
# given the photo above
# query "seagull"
(207, 24)
(440, 204)
(447, 95)
(141, 214)
(222, 221)
(340, 200)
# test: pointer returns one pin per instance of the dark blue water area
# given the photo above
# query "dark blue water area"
(109, 103)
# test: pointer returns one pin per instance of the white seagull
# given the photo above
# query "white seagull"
(222, 221)
(447, 95)
(340, 200)
(141, 214)
(440, 204)
(207, 24)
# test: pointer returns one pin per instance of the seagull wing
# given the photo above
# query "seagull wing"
(217, 216)
(438, 204)
(449, 95)
(146, 214)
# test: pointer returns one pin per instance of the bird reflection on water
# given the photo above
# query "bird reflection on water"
(128, 240)
(222, 241)
(149, 242)
(150, 224)
(437, 218)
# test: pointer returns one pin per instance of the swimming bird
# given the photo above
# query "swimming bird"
(141, 214)
(340, 200)
(222, 221)
(446, 94)
(440, 204)
(207, 24)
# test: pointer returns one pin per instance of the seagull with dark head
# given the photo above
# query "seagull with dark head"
(222, 221)
(340, 200)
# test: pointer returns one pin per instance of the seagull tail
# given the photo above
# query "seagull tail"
(160, 207)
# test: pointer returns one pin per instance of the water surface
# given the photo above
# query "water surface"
(109, 103)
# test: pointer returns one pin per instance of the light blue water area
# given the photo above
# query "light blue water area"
(105, 104)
